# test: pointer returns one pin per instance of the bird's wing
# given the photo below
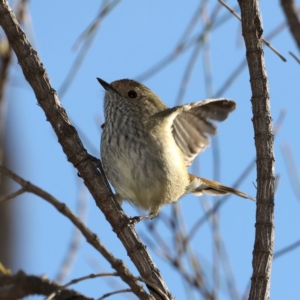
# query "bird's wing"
(192, 126)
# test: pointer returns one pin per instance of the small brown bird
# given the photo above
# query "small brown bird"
(146, 147)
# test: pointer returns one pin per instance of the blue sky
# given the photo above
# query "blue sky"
(134, 37)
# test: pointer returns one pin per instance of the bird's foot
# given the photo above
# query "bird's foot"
(135, 220)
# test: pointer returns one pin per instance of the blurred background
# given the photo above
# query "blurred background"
(184, 52)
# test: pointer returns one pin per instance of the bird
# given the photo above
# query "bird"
(147, 147)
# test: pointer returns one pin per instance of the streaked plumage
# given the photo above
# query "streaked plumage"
(146, 147)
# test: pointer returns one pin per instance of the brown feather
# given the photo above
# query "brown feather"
(193, 125)
(199, 185)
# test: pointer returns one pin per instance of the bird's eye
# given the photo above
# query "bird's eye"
(132, 94)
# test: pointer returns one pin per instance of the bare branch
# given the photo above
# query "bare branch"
(218, 204)
(91, 237)
(287, 249)
(87, 38)
(235, 73)
(265, 41)
(91, 276)
(181, 47)
(114, 293)
(74, 246)
(13, 195)
(194, 56)
(20, 285)
(295, 57)
(74, 281)
(291, 169)
(264, 142)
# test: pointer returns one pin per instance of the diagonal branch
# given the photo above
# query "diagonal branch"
(264, 40)
(37, 77)
(21, 285)
(264, 138)
(90, 236)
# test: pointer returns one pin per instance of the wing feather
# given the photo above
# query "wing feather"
(191, 127)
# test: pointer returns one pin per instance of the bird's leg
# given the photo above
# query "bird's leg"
(134, 220)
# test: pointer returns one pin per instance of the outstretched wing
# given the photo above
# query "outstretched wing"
(191, 127)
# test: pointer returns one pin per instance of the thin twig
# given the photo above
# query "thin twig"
(112, 281)
(220, 202)
(88, 36)
(13, 195)
(189, 255)
(74, 246)
(265, 41)
(180, 49)
(91, 237)
(295, 57)
(194, 56)
(242, 65)
(287, 249)
(228, 274)
(188, 71)
(291, 169)
(76, 280)
(240, 179)
(114, 293)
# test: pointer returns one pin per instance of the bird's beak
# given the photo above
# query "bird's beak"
(105, 85)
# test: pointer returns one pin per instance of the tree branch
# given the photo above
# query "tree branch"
(17, 286)
(264, 137)
(37, 77)
(91, 237)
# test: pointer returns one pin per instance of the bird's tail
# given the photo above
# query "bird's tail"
(199, 185)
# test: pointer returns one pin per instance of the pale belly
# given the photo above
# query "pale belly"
(147, 176)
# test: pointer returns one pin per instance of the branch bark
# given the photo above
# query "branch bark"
(37, 77)
(264, 137)
(18, 286)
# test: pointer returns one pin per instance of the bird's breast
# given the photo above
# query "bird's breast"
(145, 167)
